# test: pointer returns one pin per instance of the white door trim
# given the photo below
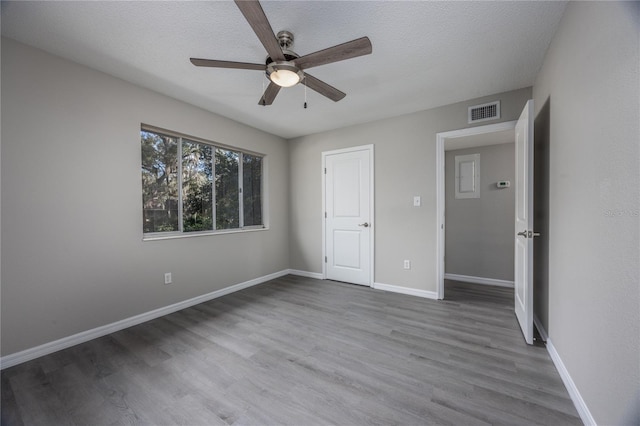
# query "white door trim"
(370, 149)
(440, 214)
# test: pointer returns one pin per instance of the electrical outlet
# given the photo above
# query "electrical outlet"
(167, 278)
(407, 264)
(417, 201)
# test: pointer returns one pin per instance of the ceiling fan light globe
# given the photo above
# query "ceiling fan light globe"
(285, 78)
(284, 73)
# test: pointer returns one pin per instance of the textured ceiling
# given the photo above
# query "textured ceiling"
(425, 54)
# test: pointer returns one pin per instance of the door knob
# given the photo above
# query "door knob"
(366, 225)
(522, 234)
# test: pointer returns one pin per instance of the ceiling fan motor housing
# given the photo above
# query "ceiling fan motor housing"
(285, 38)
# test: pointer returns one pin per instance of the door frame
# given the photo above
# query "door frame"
(370, 149)
(441, 139)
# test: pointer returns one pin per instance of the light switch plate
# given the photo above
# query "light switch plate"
(417, 202)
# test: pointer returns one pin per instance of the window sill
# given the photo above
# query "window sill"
(172, 236)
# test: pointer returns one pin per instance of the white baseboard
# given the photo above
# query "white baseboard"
(406, 290)
(316, 275)
(479, 280)
(581, 406)
(540, 327)
(84, 336)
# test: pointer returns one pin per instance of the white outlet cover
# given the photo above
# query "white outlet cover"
(417, 201)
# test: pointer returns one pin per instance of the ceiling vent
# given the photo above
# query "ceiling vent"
(484, 112)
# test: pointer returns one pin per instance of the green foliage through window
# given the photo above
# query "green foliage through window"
(159, 182)
(218, 188)
(197, 189)
(227, 203)
(252, 189)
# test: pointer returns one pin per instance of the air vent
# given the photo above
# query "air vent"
(484, 112)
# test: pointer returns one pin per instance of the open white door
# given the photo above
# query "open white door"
(523, 274)
(348, 215)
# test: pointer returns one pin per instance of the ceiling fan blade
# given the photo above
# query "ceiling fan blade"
(269, 94)
(348, 50)
(227, 64)
(323, 88)
(254, 14)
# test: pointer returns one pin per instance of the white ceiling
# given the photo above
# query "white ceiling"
(425, 54)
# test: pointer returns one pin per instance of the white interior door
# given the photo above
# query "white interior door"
(348, 216)
(523, 293)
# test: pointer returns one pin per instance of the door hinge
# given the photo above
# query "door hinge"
(325, 259)
(325, 215)
(325, 170)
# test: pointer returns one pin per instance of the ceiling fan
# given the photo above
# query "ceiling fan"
(283, 67)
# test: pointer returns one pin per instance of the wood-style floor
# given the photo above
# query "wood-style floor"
(298, 351)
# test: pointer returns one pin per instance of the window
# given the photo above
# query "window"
(193, 186)
(227, 202)
(197, 187)
(252, 189)
(159, 182)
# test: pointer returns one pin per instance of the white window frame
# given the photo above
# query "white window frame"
(241, 228)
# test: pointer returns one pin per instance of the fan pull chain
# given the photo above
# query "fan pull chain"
(305, 95)
(263, 102)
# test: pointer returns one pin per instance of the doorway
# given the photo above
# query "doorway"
(524, 233)
(347, 213)
(464, 138)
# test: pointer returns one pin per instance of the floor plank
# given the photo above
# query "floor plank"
(298, 351)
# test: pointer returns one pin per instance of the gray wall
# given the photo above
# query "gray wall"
(405, 165)
(590, 84)
(479, 231)
(73, 255)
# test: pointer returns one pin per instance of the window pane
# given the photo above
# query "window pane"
(252, 189)
(159, 182)
(227, 205)
(197, 187)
